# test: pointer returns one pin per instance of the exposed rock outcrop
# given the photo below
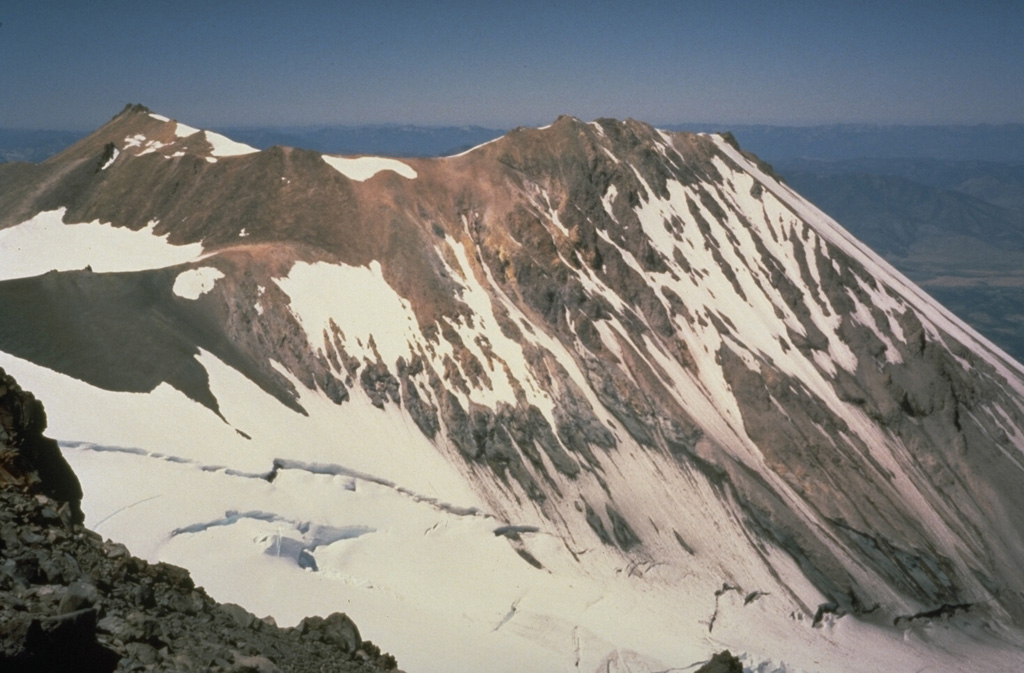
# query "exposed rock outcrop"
(29, 460)
(723, 662)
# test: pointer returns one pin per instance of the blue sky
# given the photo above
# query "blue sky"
(75, 64)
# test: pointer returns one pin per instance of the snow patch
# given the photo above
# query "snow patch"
(258, 306)
(184, 131)
(362, 169)
(226, 147)
(134, 141)
(152, 146)
(608, 199)
(194, 283)
(473, 149)
(145, 144)
(46, 243)
(357, 298)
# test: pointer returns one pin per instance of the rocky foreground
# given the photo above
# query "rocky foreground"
(70, 601)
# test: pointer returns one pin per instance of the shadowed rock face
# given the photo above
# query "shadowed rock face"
(572, 297)
(70, 601)
(29, 460)
(723, 662)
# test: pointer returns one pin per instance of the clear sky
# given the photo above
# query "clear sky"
(74, 64)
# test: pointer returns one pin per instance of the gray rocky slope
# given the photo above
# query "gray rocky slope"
(665, 296)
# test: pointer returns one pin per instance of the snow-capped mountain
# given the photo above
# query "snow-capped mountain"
(587, 397)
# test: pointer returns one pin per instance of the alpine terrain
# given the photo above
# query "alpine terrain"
(71, 602)
(590, 397)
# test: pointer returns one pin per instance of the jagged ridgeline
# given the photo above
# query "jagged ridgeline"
(635, 353)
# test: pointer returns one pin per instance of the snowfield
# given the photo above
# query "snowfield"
(44, 243)
(357, 297)
(194, 283)
(429, 576)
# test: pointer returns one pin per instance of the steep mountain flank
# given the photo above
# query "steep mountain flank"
(954, 228)
(656, 370)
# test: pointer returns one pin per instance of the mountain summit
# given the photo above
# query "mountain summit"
(593, 396)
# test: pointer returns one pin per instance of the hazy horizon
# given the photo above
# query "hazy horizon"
(669, 125)
(796, 63)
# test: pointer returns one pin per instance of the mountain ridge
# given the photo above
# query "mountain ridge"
(953, 227)
(559, 315)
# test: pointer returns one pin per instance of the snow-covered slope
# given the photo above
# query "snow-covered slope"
(587, 397)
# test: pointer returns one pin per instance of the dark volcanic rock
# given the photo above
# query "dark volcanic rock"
(379, 384)
(27, 458)
(723, 662)
(71, 602)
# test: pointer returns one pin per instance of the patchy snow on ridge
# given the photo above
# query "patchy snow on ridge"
(194, 283)
(836, 234)
(226, 147)
(141, 141)
(362, 169)
(46, 243)
(184, 131)
(222, 145)
(134, 141)
(474, 148)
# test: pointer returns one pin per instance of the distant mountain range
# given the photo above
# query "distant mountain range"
(1002, 143)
